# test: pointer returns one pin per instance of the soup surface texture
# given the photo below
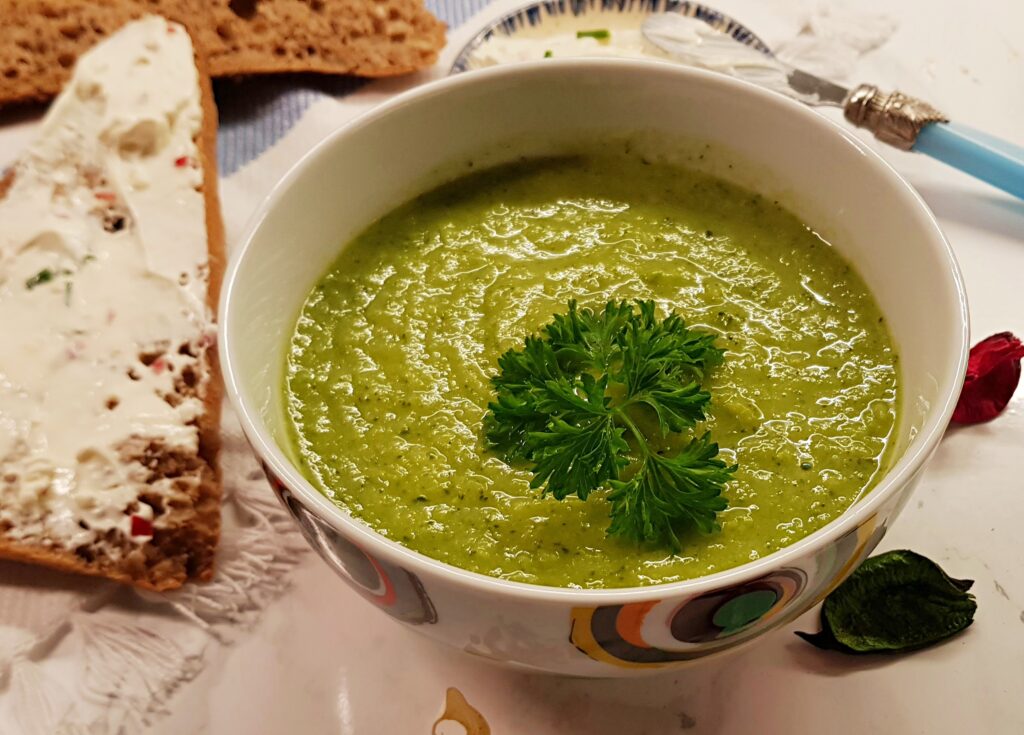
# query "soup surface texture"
(387, 376)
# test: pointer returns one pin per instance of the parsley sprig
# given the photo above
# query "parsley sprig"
(573, 402)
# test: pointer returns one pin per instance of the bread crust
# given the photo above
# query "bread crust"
(188, 550)
(209, 501)
(67, 561)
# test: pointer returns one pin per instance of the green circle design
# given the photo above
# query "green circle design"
(743, 610)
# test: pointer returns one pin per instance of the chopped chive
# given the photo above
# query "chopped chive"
(43, 276)
(548, 54)
(67, 293)
(602, 34)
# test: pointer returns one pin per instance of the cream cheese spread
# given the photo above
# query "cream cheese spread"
(557, 38)
(563, 43)
(693, 42)
(103, 280)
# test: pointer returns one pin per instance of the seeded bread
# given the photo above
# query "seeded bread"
(370, 38)
(180, 489)
(41, 39)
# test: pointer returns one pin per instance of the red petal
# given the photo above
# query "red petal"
(141, 527)
(993, 371)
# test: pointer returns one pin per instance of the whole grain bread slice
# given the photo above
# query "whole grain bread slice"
(41, 39)
(370, 38)
(186, 529)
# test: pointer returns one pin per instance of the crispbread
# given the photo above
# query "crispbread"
(41, 39)
(184, 546)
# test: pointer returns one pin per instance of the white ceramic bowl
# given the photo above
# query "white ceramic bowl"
(781, 149)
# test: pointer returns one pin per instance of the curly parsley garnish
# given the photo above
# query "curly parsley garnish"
(572, 403)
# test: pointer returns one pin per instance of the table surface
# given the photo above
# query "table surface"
(323, 661)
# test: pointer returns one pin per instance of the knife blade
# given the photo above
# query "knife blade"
(694, 42)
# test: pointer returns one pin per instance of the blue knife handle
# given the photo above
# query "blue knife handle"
(990, 159)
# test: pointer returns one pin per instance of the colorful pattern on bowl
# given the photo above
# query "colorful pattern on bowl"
(656, 633)
(398, 592)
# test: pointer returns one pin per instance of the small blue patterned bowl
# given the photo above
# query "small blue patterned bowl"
(537, 17)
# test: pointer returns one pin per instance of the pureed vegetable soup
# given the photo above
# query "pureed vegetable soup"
(388, 374)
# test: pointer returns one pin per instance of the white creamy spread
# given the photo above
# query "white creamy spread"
(103, 277)
(828, 44)
(693, 43)
(557, 38)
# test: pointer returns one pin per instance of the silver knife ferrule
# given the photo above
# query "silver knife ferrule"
(894, 118)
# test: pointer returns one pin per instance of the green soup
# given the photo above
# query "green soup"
(387, 378)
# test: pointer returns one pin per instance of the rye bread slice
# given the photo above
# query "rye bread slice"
(369, 38)
(187, 528)
(42, 39)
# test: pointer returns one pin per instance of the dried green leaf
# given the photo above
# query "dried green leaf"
(897, 601)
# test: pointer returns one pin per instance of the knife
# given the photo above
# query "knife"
(896, 118)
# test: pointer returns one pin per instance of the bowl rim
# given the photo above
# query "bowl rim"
(354, 529)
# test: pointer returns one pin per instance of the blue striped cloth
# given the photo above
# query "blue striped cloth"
(256, 112)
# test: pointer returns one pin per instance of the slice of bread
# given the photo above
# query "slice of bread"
(41, 39)
(111, 255)
(370, 38)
